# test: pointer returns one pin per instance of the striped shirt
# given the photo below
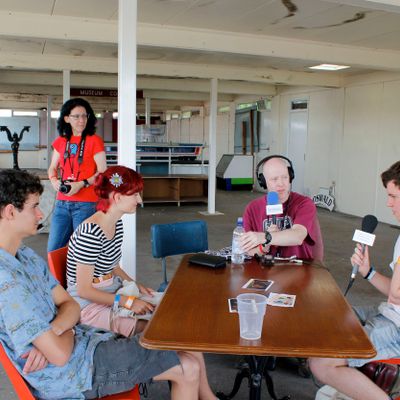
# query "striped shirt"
(89, 246)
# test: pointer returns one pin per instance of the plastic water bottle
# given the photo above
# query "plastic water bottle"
(237, 252)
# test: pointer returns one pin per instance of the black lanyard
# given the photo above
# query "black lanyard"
(80, 157)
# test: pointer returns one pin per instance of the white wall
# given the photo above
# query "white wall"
(358, 158)
(26, 159)
(352, 137)
(325, 127)
(389, 145)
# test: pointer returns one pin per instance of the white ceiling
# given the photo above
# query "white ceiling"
(261, 42)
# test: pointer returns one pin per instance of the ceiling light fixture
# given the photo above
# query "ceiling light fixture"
(329, 67)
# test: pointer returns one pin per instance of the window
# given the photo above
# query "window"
(5, 113)
(223, 110)
(186, 114)
(299, 105)
(244, 106)
(25, 113)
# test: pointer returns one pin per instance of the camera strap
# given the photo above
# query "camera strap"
(67, 156)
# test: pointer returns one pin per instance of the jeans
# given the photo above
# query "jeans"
(67, 215)
(119, 363)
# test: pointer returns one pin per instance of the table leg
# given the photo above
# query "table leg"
(243, 373)
(254, 370)
(270, 385)
(257, 366)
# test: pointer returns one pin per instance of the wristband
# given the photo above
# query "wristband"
(261, 248)
(129, 302)
(117, 298)
(268, 238)
(370, 274)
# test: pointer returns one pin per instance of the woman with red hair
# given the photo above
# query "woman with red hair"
(94, 274)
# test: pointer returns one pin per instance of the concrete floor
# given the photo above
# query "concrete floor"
(337, 231)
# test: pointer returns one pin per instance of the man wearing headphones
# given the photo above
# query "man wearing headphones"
(296, 231)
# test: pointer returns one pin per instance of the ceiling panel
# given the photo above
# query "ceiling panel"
(28, 6)
(281, 19)
(29, 45)
(161, 11)
(374, 24)
(83, 49)
(222, 14)
(391, 41)
(319, 22)
(231, 60)
(103, 9)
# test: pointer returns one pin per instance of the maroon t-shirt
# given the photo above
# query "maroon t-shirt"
(297, 210)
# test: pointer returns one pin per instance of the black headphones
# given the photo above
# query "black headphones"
(260, 176)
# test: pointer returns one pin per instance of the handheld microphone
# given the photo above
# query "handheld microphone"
(366, 238)
(273, 206)
(39, 227)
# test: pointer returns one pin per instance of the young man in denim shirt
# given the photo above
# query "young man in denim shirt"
(38, 321)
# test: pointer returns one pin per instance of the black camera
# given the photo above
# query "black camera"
(65, 187)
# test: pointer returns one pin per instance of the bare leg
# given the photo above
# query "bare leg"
(205, 392)
(350, 381)
(140, 325)
(184, 378)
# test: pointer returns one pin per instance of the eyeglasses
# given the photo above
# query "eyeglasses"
(75, 117)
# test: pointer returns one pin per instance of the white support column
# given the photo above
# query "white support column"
(148, 110)
(66, 85)
(231, 128)
(49, 133)
(212, 151)
(127, 22)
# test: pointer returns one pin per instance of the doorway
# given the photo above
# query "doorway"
(297, 141)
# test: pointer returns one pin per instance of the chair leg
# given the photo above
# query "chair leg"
(303, 368)
(162, 287)
(164, 270)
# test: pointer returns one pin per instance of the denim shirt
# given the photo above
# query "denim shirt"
(26, 311)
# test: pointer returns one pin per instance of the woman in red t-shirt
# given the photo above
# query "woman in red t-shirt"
(78, 156)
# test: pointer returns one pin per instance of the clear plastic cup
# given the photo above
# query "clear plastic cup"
(251, 309)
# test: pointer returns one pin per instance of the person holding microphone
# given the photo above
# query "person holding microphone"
(381, 322)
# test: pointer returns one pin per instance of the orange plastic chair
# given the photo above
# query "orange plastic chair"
(58, 264)
(57, 260)
(18, 382)
(23, 391)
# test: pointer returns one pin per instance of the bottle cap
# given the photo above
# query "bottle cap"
(240, 221)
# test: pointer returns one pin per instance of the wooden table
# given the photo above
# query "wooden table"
(194, 315)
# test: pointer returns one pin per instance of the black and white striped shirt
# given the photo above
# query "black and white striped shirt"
(89, 245)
